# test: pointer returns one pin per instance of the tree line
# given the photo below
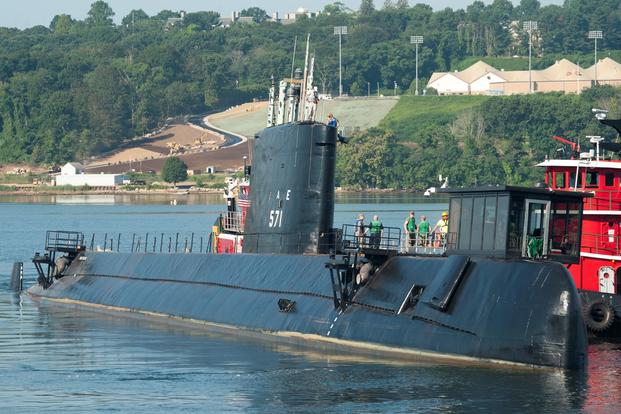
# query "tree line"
(496, 141)
(76, 88)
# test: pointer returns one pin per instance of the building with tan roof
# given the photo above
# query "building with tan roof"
(563, 76)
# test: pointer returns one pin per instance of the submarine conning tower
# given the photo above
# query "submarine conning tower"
(292, 185)
(292, 179)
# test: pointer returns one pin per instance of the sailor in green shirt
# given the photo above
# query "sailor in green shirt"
(410, 228)
(376, 228)
(423, 231)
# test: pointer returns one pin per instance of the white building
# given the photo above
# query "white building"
(474, 80)
(72, 168)
(563, 76)
(73, 174)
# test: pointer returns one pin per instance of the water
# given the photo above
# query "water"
(66, 359)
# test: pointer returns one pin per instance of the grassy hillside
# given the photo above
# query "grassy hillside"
(353, 114)
(414, 113)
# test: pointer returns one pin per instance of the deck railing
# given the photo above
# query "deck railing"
(389, 238)
(432, 244)
(149, 242)
(601, 244)
(603, 200)
(63, 241)
(232, 221)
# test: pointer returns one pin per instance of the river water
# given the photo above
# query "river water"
(55, 358)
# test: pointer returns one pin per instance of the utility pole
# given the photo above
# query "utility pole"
(596, 34)
(378, 94)
(529, 26)
(368, 89)
(416, 40)
(340, 31)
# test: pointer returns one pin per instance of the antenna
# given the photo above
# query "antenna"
(595, 139)
(600, 114)
(295, 43)
(304, 79)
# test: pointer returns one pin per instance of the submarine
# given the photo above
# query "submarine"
(496, 292)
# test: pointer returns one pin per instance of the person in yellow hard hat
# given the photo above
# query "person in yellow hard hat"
(440, 230)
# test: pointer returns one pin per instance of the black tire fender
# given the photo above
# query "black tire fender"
(598, 315)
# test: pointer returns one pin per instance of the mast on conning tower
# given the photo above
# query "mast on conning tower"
(297, 98)
(271, 114)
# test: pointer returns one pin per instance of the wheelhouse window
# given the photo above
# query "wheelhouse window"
(564, 230)
(478, 223)
(592, 179)
(561, 181)
(610, 179)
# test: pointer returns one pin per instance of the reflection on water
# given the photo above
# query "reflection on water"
(206, 198)
(57, 358)
(119, 198)
(81, 360)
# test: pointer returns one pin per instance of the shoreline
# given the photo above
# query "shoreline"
(152, 192)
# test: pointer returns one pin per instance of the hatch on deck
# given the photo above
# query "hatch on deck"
(516, 222)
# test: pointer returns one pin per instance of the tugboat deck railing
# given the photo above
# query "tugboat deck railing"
(601, 244)
(232, 221)
(609, 200)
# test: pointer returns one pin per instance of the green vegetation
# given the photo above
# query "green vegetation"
(17, 178)
(414, 113)
(209, 180)
(174, 170)
(78, 88)
(353, 114)
(472, 140)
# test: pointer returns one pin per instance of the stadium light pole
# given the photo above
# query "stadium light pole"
(340, 31)
(529, 26)
(596, 34)
(416, 40)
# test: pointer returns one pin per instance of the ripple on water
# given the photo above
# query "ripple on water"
(65, 359)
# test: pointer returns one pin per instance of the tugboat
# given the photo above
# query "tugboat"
(277, 267)
(598, 273)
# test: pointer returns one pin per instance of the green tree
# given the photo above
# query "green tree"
(166, 14)
(258, 15)
(336, 8)
(174, 170)
(366, 7)
(134, 16)
(202, 20)
(362, 162)
(61, 23)
(100, 14)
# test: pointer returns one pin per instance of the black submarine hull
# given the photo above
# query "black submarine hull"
(525, 313)
(463, 307)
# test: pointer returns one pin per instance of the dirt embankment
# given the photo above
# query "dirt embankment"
(197, 147)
